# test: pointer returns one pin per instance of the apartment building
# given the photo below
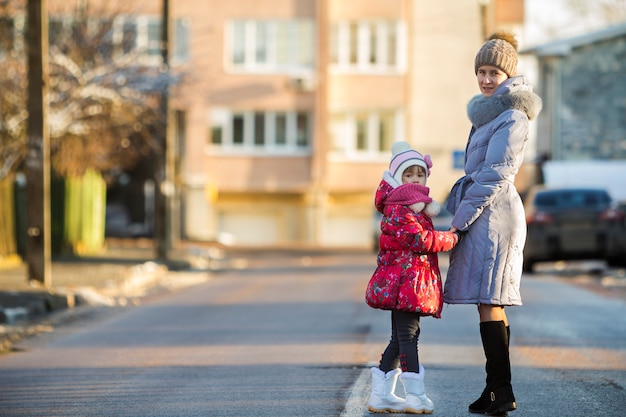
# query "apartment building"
(303, 101)
(285, 122)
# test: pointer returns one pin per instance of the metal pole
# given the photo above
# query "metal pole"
(38, 157)
(162, 232)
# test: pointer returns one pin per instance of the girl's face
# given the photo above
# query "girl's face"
(414, 175)
(489, 78)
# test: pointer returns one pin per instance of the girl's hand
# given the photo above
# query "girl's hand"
(457, 233)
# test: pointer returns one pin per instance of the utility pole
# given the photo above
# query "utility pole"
(38, 156)
(164, 184)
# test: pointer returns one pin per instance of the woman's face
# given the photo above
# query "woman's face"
(489, 78)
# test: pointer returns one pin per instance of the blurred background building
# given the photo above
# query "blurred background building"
(283, 124)
(293, 107)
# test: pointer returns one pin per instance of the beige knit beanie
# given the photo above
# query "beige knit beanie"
(500, 51)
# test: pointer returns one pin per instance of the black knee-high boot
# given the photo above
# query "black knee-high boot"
(499, 368)
(483, 403)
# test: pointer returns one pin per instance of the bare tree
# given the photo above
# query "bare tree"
(13, 84)
(104, 104)
(104, 96)
(14, 114)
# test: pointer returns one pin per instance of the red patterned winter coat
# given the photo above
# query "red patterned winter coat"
(408, 256)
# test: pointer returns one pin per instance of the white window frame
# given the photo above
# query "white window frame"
(272, 64)
(347, 131)
(223, 118)
(363, 65)
(142, 41)
(144, 44)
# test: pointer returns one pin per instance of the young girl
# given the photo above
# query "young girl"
(408, 255)
(486, 268)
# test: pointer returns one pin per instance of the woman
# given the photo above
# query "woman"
(486, 266)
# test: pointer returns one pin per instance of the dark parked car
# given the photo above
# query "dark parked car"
(573, 223)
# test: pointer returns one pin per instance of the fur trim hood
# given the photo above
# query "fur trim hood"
(513, 94)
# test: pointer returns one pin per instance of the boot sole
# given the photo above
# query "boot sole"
(384, 410)
(502, 409)
(414, 411)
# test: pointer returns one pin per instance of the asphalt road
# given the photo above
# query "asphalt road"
(291, 336)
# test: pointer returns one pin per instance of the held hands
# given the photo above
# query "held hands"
(456, 232)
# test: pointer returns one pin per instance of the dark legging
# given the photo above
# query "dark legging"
(402, 348)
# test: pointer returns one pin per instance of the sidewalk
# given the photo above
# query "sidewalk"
(121, 275)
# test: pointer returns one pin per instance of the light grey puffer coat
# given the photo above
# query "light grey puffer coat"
(486, 265)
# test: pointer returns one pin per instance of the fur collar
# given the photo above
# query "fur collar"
(513, 94)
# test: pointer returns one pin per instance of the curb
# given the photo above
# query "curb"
(16, 306)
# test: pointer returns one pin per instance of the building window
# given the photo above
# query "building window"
(353, 50)
(387, 130)
(365, 134)
(216, 135)
(302, 129)
(7, 34)
(261, 42)
(219, 122)
(361, 120)
(139, 35)
(259, 129)
(181, 39)
(130, 36)
(12, 36)
(238, 129)
(285, 46)
(238, 47)
(281, 128)
(266, 131)
(368, 46)
(153, 44)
